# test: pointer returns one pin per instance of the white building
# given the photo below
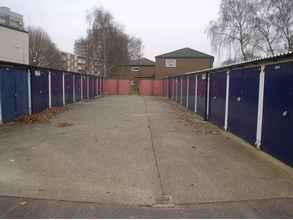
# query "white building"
(14, 44)
(10, 18)
(81, 64)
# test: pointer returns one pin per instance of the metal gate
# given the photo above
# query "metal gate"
(14, 93)
(218, 98)
(278, 112)
(39, 90)
(243, 103)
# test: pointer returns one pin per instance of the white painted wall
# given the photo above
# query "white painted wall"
(14, 45)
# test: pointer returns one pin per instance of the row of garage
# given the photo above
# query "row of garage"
(27, 90)
(253, 100)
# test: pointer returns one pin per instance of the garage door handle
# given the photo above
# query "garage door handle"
(238, 99)
(215, 97)
(285, 113)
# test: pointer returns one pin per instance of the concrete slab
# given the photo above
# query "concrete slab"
(133, 151)
(106, 156)
(35, 208)
(199, 164)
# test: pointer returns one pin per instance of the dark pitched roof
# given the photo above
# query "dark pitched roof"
(185, 53)
(141, 62)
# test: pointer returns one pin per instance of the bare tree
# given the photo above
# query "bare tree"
(267, 35)
(135, 48)
(42, 51)
(107, 42)
(253, 27)
(283, 20)
(234, 27)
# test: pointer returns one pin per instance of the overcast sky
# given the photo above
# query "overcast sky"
(163, 25)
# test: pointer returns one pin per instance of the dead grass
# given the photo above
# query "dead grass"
(42, 117)
(63, 124)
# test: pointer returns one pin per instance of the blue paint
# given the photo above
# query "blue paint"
(56, 89)
(77, 87)
(217, 98)
(170, 87)
(68, 77)
(184, 91)
(91, 87)
(178, 89)
(84, 87)
(39, 90)
(191, 93)
(14, 93)
(278, 112)
(243, 103)
(202, 95)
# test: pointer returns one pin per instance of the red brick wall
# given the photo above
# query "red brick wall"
(182, 66)
(124, 72)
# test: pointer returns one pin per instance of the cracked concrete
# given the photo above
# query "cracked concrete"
(133, 150)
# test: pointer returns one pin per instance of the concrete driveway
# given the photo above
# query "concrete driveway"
(139, 152)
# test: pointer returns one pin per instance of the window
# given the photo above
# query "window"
(170, 63)
(135, 69)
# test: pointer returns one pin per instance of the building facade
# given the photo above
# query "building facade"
(169, 64)
(14, 45)
(81, 64)
(11, 19)
(182, 61)
(135, 69)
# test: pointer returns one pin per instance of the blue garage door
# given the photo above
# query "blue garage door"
(191, 93)
(95, 86)
(171, 93)
(98, 86)
(278, 112)
(91, 88)
(170, 88)
(14, 93)
(39, 90)
(56, 89)
(184, 90)
(77, 87)
(68, 88)
(243, 103)
(84, 87)
(217, 98)
(202, 95)
(178, 89)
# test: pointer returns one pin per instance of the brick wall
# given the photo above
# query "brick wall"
(182, 66)
(124, 72)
